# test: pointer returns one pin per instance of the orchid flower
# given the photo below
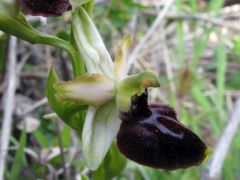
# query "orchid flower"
(107, 90)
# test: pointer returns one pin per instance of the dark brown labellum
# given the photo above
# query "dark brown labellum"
(157, 139)
(45, 7)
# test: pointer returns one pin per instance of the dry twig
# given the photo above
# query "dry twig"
(214, 169)
(36, 105)
(149, 33)
(168, 64)
(205, 19)
(9, 102)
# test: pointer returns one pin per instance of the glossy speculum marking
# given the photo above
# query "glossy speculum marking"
(153, 136)
(45, 7)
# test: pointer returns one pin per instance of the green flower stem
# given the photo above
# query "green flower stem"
(14, 27)
(24, 31)
(77, 63)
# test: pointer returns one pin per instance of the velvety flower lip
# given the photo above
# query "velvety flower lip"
(45, 7)
(157, 139)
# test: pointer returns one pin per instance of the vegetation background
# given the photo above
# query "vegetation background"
(194, 47)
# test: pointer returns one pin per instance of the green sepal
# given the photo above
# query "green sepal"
(134, 85)
(93, 90)
(71, 113)
(100, 128)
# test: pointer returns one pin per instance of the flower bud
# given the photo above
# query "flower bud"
(45, 7)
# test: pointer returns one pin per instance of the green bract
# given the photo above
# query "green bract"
(90, 44)
(87, 4)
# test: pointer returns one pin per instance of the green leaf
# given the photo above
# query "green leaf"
(133, 4)
(206, 105)
(18, 160)
(3, 51)
(84, 177)
(132, 85)
(66, 136)
(236, 47)
(90, 44)
(99, 90)
(100, 128)
(112, 166)
(215, 6)
(71, 113)
(41, 138)
(121, 12)
(221, 61)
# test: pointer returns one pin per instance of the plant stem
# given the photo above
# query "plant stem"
(9, 104)
(60, 43)
(24, 31)
(16, 28)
